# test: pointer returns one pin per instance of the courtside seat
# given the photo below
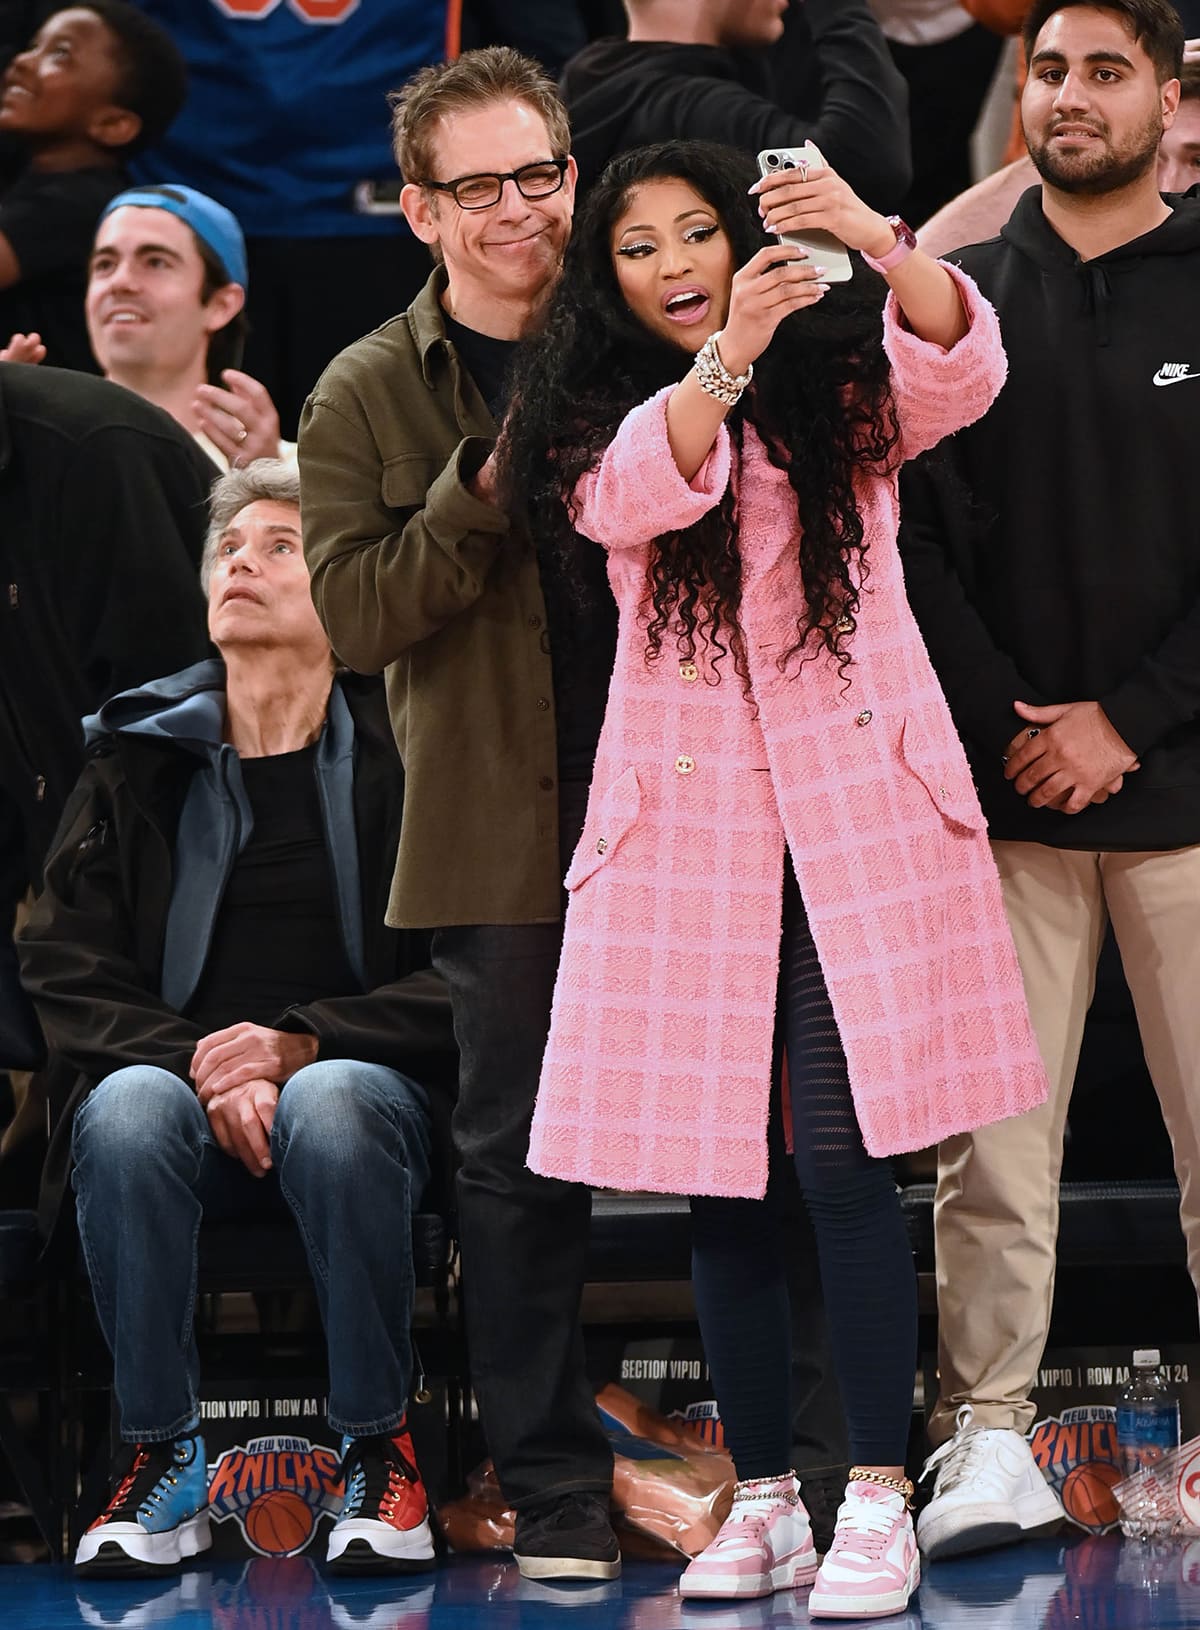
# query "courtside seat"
(1110, 1224)
(639, 1237)
(19, 1248)
(27, 1367)
(269, 1256)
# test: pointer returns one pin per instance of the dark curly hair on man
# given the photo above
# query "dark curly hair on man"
(821, 402)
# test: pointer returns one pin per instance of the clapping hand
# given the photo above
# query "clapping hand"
(24, 348)
(240, 419)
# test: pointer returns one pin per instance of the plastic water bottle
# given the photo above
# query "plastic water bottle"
(1147, 1415)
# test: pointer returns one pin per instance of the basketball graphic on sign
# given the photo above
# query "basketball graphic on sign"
(1087, 1494)
(279, 1523)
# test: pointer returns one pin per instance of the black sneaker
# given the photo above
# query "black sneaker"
(568, 1536)
(823, 1492)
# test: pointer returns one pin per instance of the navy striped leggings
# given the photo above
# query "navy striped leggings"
(867, 1274)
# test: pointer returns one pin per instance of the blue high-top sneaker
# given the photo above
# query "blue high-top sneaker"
(157, 1514)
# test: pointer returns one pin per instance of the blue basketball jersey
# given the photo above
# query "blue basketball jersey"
(286, 110)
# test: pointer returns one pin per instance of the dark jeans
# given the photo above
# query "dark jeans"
(524, 1237)
(350, 1147)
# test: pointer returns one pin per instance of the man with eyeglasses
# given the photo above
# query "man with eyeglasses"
(418, 571)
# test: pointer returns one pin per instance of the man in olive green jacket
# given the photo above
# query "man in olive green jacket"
(416, 571)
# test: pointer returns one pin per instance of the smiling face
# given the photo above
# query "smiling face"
(1093, 111)
(63, 85)
(673, 262)
(511, 251)
(258, 592)
(145, 314)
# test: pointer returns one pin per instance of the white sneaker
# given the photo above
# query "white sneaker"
(764, 1545)
(872, 1567)
(988, 1492)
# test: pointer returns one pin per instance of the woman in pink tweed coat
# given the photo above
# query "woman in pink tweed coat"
(780, 802)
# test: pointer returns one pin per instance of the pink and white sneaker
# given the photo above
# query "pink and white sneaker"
(872, 1567)
(764, 1544)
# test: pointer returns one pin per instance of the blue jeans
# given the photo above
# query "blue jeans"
(351, 1150)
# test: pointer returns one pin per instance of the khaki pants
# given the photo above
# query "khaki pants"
(996, 1212)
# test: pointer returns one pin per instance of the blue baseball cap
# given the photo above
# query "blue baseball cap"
(212, 223)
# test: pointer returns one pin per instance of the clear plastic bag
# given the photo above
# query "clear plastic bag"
(1162, 1501)
(671, 1492)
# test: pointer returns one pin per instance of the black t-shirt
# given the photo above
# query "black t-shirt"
(583, 625)
(277, 941)
(50, 219)
(488, 361)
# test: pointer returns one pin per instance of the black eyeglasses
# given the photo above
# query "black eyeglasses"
(537, 180)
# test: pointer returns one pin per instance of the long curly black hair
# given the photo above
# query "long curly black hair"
(820, 401)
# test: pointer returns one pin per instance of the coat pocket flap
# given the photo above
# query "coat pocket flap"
(610, 816)
(406, 481)
(947, 782)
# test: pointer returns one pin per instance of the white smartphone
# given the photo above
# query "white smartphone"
(822, 248)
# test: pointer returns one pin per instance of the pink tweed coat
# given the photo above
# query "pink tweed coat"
(657, 1072)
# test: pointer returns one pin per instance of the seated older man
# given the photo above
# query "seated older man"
(229, 1020)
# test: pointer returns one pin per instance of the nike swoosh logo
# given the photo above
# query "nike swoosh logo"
(1173, 379)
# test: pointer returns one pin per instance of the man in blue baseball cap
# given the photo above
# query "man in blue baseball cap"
(166, 317)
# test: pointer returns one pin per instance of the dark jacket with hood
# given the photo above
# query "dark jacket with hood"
(1052, 549)
(118, 941)
(852, 101)
(103, 509)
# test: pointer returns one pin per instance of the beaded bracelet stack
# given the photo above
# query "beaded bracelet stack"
(714, 377)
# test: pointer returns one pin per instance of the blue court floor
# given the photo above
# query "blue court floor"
(1091, 1584)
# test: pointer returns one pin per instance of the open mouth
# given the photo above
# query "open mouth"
(687, 305)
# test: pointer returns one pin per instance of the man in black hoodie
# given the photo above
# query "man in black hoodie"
(1052, 555)
(700, 69)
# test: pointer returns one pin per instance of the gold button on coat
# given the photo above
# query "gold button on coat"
(601, 845)
(864, 717)
(685, 764)
(688, 671)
